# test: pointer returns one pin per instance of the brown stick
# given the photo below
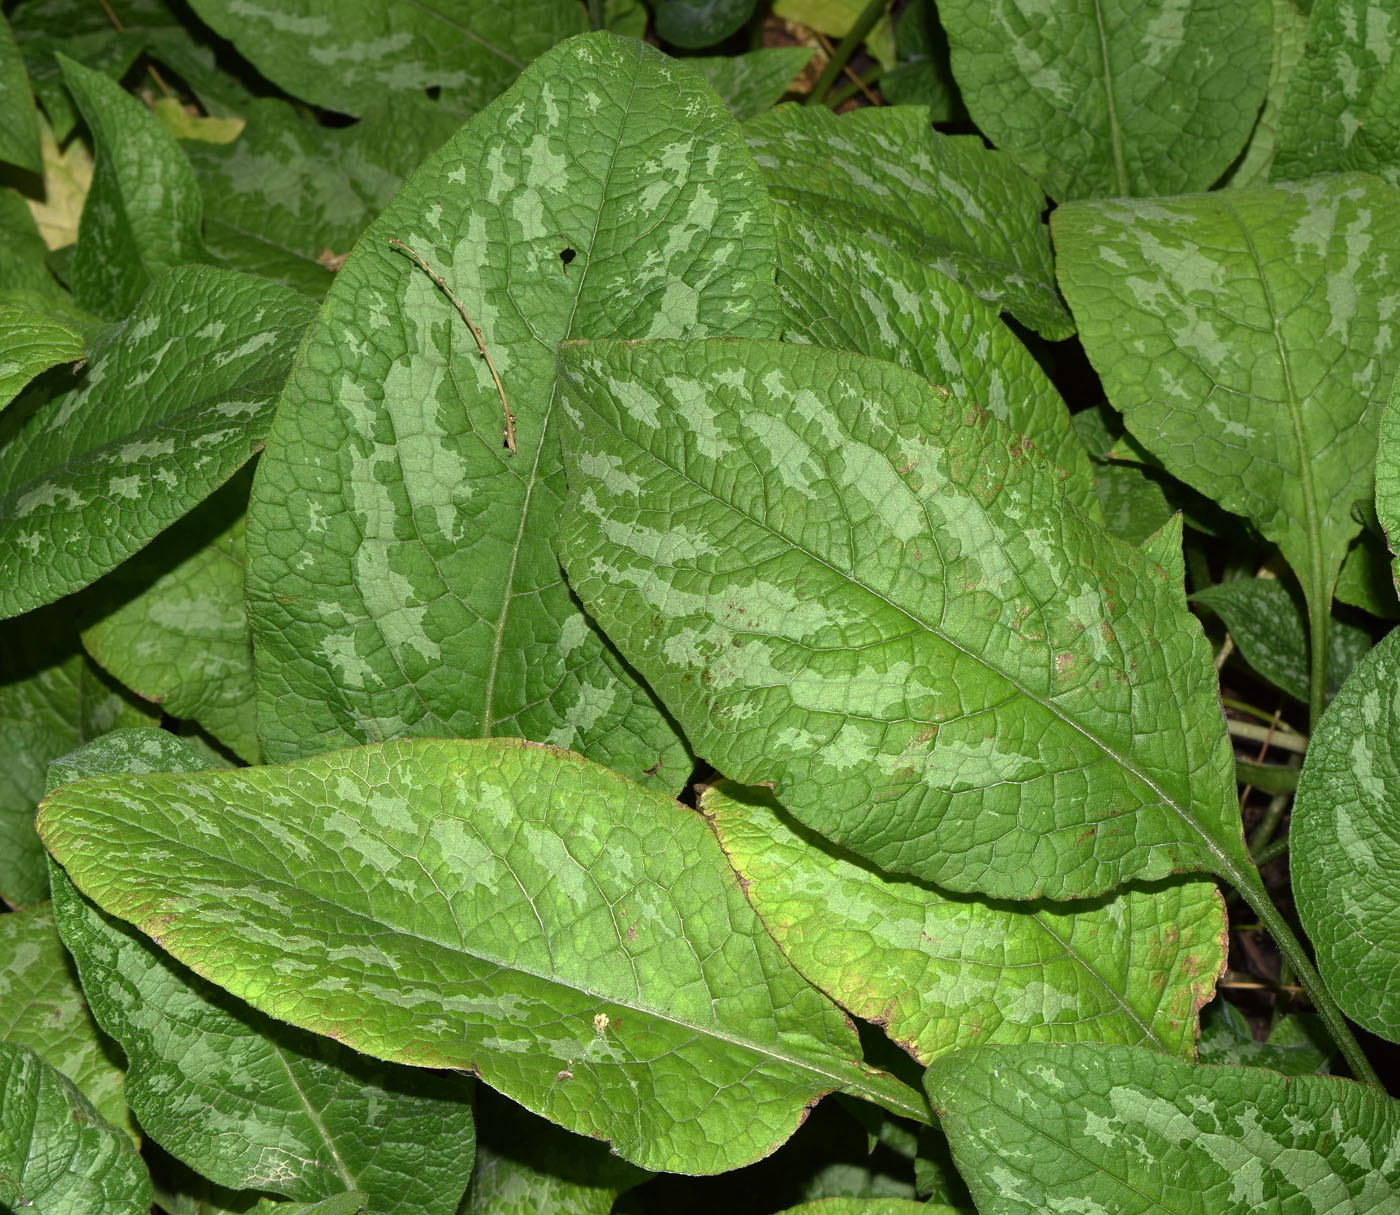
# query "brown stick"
(476, 333)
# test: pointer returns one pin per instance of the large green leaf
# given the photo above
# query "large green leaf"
(1113, 97)
(173, 402)
(246, 1100)
(143, 213)
(42, 1007)
(942, 972)
(1127, 1130)
(843, 582)
(180, 636)
(1343, 102)
(19, 133)
(1388, 472)
(1248, 338)
(575, 939)
(846, 292)
(31, 342)
(58, 1155)
(53, 698)
(751, 83)
(355, 55)
(949, 201)
(1344, 843)
(1289, 40)
(402, 571)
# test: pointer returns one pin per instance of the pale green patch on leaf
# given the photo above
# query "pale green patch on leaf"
(57, 1153)
(1388, 473)
(19, 133)
(143, 213)
(845, 292)
(1119, 1128)
(576, 940)
(1289, 40)
(942, 972)
(947, 201)
(1248, 338)
(179, 635)
(42, 1007)
(31, 342)
(1345, 842)
(875, 597)
(1343, 103)
(1113, 97)
(152, 429)
(751, 83)
(360, 52)
(403, 579)
(1297, 1044)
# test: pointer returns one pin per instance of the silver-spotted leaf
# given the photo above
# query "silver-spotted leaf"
(1289, 40)
(1128, 1130)
(172, 403)
(1344, 842)
(575, 939)
(942, 972)
(949, 201)
(403, 579)
(874, 596)
(1388, 472)
(58, 1155)
(1113, 97)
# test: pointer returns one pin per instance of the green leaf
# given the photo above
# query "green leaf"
(53, 698)
(1297, 1044)
(179, 635)
(923, 75)
(947, 200)
(1113, 97)
(1133, 504)
(289, 192)
(143, 213)
(1365, 581)
(149, 433)
(1290, 37)
(841, 582)
(696, 23)
(1388, 473)
(1270, 627)
(23, 253)
(19, 133)
(351, 1202)
(58, 1155)
(751, 83)
(942, 972)
(403, 578)
(1344, 843)
(869, 1206)
(844, 292)
(1248, 338)
(42, 1007)
(1119, 1128)
(31, 342)
(353, 57)
(603, 967)
(1343, 104)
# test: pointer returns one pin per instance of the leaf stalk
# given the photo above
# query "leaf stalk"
(869, 15)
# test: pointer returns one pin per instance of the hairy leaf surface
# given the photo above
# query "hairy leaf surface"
(403, 578)
(1122, 1129)
(843, 582)
(1344, 842)
(1113, 97)
(491, 904)
(942, 972)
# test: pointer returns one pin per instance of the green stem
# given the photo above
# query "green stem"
(1241, 706)
(1271, 852)
(1319, 624)
(1268, 825)
(1284, 740)
(1252, 889)
(1267, 778)
(595, 14)
(839, 98)
(869, 15)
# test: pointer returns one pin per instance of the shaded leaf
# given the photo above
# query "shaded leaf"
(23, 252)
(143, 213)
(1342, 109)
(942, 972)
(19, 133)
(1113, 97)
(696, 23)
(42, 1007)
(352, 57)
(1344, 842)
(407, 583)
(1297, 1044)
(57, 1153)
(1365, 580)
(869, 1206)
(751, 83)
(31, 342)
(1132, 502)
(1119, 1128)
(923, 75)
(949, 201)
(842, 582)
(152, 429)
(603, 967)
(1290, 36)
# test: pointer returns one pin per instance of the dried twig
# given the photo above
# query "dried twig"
(476, 333)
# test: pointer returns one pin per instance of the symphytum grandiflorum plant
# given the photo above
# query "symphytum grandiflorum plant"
(562, 612)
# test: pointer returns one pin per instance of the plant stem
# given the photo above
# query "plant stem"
(869, 15)
(1271, 851)
(1283, 739)
(1268, 824)
(1251, 887)
(1267, 778)
(595, 14)
(1241, 706)
(1319, 624)
(842, 95)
